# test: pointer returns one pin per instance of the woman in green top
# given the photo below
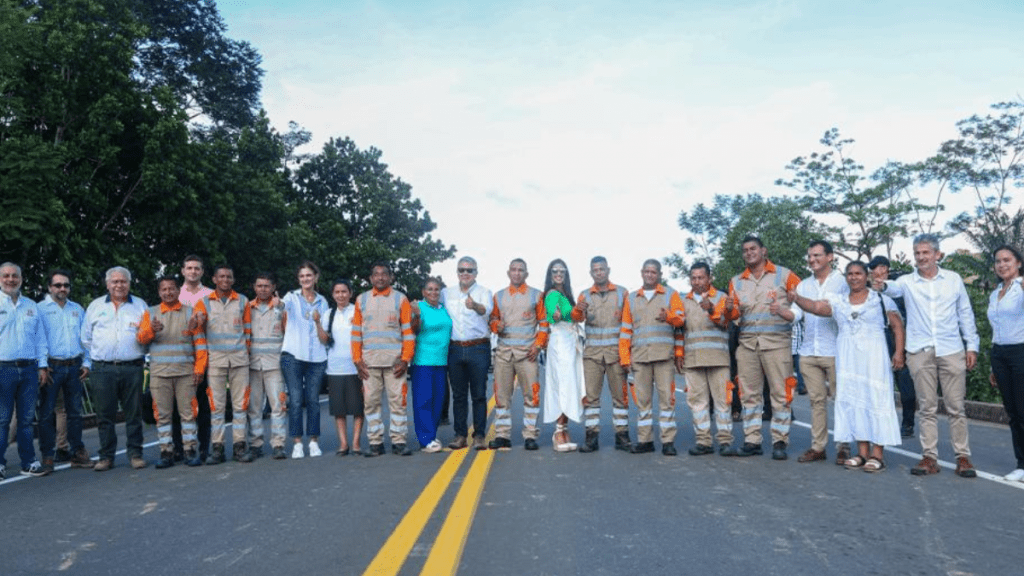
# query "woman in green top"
(563, 372)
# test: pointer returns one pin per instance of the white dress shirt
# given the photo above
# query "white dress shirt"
(108, 333)
(466, 323)
(939, 312)
(1006, 315)
(820, 332)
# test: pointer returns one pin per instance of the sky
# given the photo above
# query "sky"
(565, 129)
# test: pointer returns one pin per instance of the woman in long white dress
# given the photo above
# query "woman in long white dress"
(865, 411)
(563, 371)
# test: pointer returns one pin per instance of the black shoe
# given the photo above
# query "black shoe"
(444, 422)
(779, 451)
(192, 458)
(701, 450)
(179, 454)
(749, 449)
(642, 448)
(802, 390)
(668, 449)
(166, 460)
(530, 444)
(374, 450)
(726, 450)
(256, 452)
(622, 441)
(498, 443)
(590, 444)
(241, 453)
(216, 455)
(61, 455)
(907, 431)
(400, 449)
(278, 453)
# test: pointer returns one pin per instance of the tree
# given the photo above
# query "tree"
(717, 232)
(347, 210)
(871, 210)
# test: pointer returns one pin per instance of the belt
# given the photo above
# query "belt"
(17, 363)
(136, 362)
(69, 362)
(468, 343)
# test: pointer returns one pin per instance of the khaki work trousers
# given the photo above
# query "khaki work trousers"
(165, 391)
(218, 380)
(269, 385)
(752, 367)
(702, 383)
(819, 374)
(508, 372)
(594, 373)
(381, 381)
(928, 372)
(646, 377)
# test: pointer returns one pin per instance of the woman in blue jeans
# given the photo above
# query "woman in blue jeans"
(429, 370)
(304, 358)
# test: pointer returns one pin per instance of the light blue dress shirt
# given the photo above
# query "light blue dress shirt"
(63, 327)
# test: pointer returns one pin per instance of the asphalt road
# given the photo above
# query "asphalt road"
(518, 512)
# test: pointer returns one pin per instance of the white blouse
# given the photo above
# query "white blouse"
(1006, 315)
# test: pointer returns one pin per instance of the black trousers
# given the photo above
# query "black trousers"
(1008, 367)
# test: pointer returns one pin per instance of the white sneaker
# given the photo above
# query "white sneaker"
(314, 449)
(1015, 476)
(434, 446)
(297, 451)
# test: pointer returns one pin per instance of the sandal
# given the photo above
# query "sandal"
(341, 452)
(562, 446)
(874, 465)
(855, 463)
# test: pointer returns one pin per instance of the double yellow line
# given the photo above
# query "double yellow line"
(446, 551)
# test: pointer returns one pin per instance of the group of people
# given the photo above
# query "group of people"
(207, 345)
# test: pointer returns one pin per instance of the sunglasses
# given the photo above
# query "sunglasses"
(467, 270)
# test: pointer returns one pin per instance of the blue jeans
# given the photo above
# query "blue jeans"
(113, 384)
(467, 370)
(428, 384)
(19, 387)
(303, 382)
(61, 378)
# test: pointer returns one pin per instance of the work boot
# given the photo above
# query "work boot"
(642, 448)
(400, 449)
(192, 457)
(622, 441)
(80, 459)
(779, 451)
(166, 460)
(241, 453)
(216, 454)
(62, 455)
(668, 449)
(590, 443)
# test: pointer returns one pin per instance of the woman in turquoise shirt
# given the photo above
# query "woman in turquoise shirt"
(563, 372)
(429, 371)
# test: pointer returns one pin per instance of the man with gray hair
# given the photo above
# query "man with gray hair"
(109, 338)
(22, 367)
(469, 352)
(939, 321)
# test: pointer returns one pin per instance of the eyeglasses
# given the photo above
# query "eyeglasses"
(558, 271)
(467, 270)
(61, 285)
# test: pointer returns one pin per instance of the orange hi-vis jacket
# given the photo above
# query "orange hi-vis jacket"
(382, 329)
(175, 350)
(759, 328)
(522, 311)
(642, 338)
(706, 333)
(228, 329)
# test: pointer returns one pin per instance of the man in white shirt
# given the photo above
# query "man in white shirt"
(469, 353)
(108, 336)
(818, 349)
(939, 322)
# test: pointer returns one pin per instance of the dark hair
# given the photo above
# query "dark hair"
(265, 275)
(167, 278)
(858, 264)
(308, 264)
(381, 264)
(823, 243)
(651, 262)
(520, 260)
(879, 261)
(1016, 254)
(703, 265)
(598, 260)
(192, 258)
(220, 267)
(434, 280)
(58, 272)
(344, 281)
(549, 283)
(752, 238)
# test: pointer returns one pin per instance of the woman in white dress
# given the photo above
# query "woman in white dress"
(865, 411)
(563, 371)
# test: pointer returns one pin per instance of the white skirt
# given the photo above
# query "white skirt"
(563, 373)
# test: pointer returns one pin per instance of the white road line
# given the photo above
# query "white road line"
(916, 456)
